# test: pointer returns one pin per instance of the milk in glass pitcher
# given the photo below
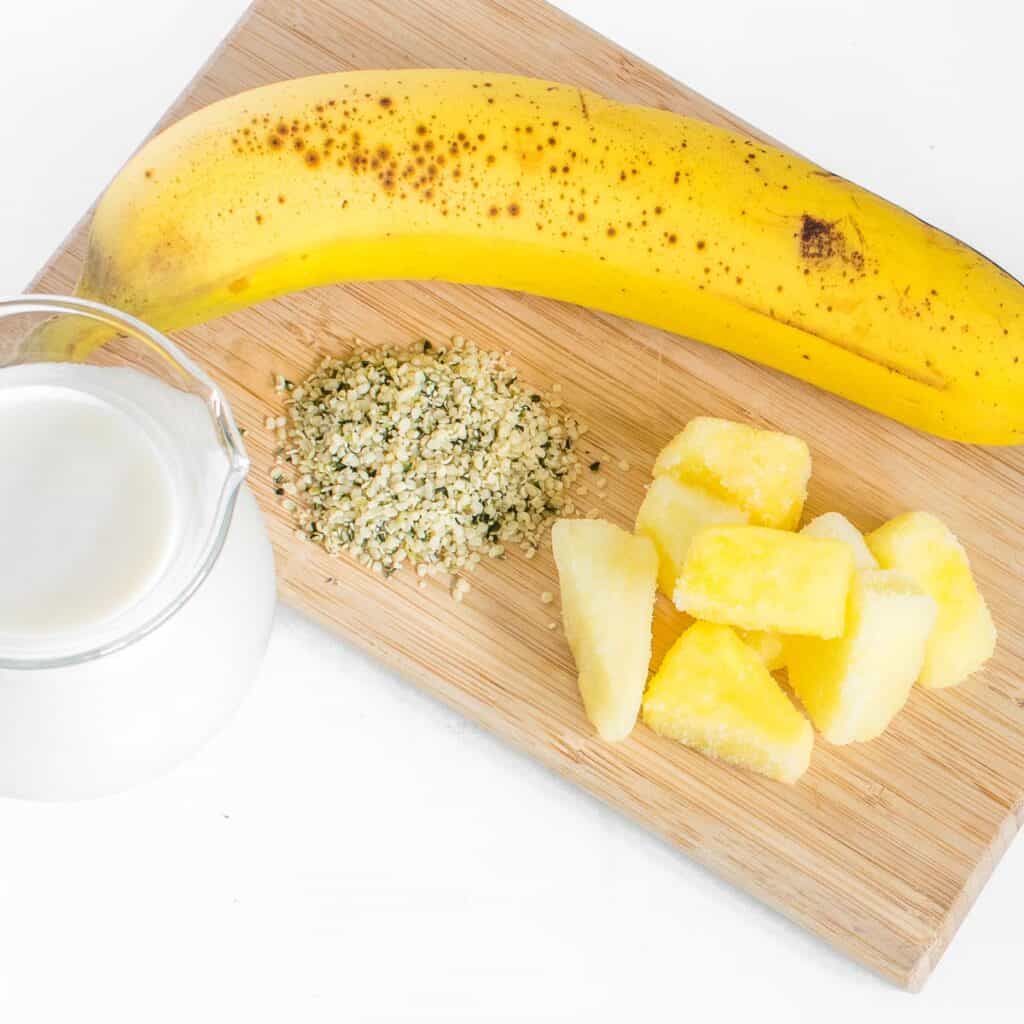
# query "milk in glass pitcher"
(136, 578)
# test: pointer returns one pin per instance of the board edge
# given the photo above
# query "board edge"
(965, 899)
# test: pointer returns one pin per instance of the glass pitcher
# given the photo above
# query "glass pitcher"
(136, 577)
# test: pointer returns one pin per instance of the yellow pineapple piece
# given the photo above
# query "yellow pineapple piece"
(608, 579)
(763, 472)
(925, 549)
(761, 579)
(838, 527)
(852, 687)
(712, 693)
(832, 525)
(671, 514)
(770, 647)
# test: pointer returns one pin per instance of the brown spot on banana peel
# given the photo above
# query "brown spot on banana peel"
(819, 239)
(822, 240)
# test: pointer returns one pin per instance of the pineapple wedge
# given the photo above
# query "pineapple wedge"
(761, 579)
(964, 636)
(713, 693)
(853, 687)
(608, 579)
(762, 472)
(672, 512)
(838, 527)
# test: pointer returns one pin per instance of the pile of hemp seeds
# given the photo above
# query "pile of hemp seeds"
(433, 456)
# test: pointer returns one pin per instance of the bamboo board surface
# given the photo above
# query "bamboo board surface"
(882, 847)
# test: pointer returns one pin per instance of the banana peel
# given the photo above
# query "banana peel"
(539, 186)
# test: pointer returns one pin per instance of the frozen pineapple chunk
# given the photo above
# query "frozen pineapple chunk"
(671, 514)
(608, 579)
(770, 647)
(712, 693)
(832, 526)
(924, 548)
(762, 472)
(761, 579)
(853, 687)
(838, 527)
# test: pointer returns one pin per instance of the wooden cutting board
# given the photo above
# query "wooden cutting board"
(883, 846)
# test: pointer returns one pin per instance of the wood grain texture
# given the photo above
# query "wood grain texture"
(882, 847)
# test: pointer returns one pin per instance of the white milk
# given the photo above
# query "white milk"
(89, 512)
(112, 484)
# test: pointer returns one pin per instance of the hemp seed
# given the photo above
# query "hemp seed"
(436, 455)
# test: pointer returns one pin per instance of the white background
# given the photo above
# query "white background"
(349, 850)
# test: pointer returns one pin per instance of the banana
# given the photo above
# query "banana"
(538, 186)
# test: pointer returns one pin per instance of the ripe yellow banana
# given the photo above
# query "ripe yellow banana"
(520, 183)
